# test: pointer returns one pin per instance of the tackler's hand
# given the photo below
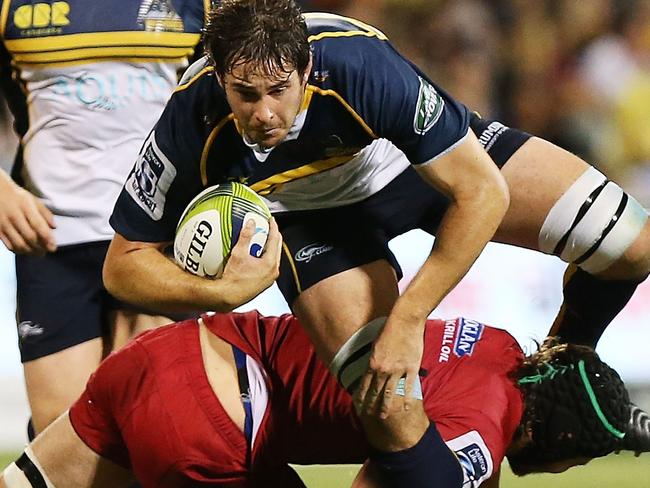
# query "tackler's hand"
(394, 365)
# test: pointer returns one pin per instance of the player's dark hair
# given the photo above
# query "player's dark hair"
(575, 406)
(270, 34)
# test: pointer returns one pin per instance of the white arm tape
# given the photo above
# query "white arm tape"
(592, 224)
(14, 477)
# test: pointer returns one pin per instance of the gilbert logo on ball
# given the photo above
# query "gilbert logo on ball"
(210, 227)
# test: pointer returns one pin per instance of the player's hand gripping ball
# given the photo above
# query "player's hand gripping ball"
(210, 226)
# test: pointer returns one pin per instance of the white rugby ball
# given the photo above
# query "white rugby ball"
(210, 227)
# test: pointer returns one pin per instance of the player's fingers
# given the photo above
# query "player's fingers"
(409, 385)
(362, 390)
(42, 221)
(373, 396)
(37, 232)
(20, 223)
(15, 242)
(388, 394)
(45, 212)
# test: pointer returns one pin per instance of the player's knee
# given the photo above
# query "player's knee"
(596, 225)
(352, 360)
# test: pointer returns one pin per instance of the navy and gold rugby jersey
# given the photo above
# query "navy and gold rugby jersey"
(92, 78)
(367, 113)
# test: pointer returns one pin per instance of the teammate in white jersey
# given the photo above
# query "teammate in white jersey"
(90, 80)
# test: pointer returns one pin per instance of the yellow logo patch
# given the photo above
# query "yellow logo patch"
(42, 16)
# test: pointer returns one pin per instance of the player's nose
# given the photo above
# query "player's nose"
(263, 114)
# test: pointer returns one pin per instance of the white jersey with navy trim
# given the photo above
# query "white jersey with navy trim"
(96, 76)
(367, 113)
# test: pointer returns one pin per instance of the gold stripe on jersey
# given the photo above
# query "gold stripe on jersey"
(208, 144)
(292, 264)
(90, 60)
(364, 29)
(347, 106)
(100, 40)
(207, 6)
(187, 84)
(4, 13)
(99, 53)
(272, 183)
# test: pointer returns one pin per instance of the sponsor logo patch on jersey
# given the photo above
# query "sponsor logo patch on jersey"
(27, 328)
(159, 16)
(468, 334)
(474, 458)
(312, 250)
(42, 18)
(149, 182)
(428, 108)
(490, 135)
(447, 341)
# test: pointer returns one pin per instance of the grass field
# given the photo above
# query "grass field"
(624, 471)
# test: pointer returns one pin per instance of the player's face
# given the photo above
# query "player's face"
(265, 105)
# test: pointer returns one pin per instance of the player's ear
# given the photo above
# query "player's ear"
(220, 80)
(307, 72)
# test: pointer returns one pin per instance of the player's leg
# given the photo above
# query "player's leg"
(406, 448)
(561, 205)
(58, 301)
(126, 323)
(53, 382)
(58, 457)
(339, 277)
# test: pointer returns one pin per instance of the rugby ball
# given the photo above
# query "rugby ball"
(210, 227)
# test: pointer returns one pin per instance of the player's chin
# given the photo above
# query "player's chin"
(271, 138)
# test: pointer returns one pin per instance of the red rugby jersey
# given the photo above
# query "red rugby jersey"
(152, 403)
(150, 407)
(467, 391)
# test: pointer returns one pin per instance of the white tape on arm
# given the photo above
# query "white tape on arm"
(15, 477)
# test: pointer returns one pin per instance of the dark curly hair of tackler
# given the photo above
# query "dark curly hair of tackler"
(575, 404)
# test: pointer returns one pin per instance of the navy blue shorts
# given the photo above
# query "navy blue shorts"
(322, 243)
(61, 300)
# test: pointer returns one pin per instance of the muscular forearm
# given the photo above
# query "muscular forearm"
(139, 273)
(469, 223)
(147, 278)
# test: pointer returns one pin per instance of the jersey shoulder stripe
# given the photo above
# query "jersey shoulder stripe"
(193, 72)
(324, 25)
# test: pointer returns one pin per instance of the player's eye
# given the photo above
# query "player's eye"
(248, 96)
(278, 90)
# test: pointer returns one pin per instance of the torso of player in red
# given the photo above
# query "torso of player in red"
(153, 398)
(151, 408)
(468, 393)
